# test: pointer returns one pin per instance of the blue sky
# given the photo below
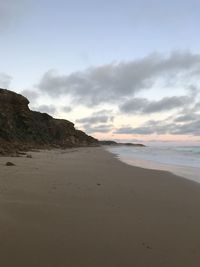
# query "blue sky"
(72, 36)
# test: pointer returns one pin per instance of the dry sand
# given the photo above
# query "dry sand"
(84, 208)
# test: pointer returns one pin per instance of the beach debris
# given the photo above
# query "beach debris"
(98, 184)
(10, 163)
(29, 156)
(21, 153)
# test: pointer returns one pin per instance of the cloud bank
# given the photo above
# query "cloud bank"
(117, 82)
(183, 125)
(144, 106)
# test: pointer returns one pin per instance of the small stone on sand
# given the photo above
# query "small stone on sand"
(10, 163)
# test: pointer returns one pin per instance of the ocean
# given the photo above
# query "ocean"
(181, 160)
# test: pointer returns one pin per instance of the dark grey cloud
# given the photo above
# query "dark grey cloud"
(116, 82)
(94, 119)
(101, 116)
(5, 80)
(166, 103)
(187, 117)
(191, 128)
(135, 105)
(142, 105)
(189, 114)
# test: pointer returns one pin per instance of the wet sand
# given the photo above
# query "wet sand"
(84, 208)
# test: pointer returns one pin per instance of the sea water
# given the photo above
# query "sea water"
(181, 160)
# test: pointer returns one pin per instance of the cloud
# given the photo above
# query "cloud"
(150, 127)
(102, 128)
(100, 116)
(116, 82)
(49, 109)
(102, 112)
(163, 127)
(138, 130)
(189, 113)
(98, 122)
(5, 80)
(66, 109)
(145, 106)
(191, 128)
(94, 119)
(31, 95)
(119, 83)
(197, 106)
(187, 118)
(125, 130)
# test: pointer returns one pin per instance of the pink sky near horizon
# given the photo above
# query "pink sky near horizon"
(148, 138)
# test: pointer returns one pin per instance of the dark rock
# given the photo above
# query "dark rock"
(113, 143)
(108, 143)
(22, 129)
(10, 163)
(132, 144)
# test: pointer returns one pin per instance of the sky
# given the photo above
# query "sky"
(122, 70)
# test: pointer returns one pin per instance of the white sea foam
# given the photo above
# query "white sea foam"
(181, 160)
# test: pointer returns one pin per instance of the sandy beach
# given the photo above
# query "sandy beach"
(82, 207)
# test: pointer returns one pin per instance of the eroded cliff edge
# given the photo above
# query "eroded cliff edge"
(23, 129)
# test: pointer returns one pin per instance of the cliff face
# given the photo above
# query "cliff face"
(21, 128)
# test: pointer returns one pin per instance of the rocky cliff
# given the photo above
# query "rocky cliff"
(22, 129)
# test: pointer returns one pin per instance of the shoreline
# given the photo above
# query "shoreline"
(87, 208)
(186, 172)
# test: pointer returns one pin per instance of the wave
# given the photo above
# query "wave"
(184, 161)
